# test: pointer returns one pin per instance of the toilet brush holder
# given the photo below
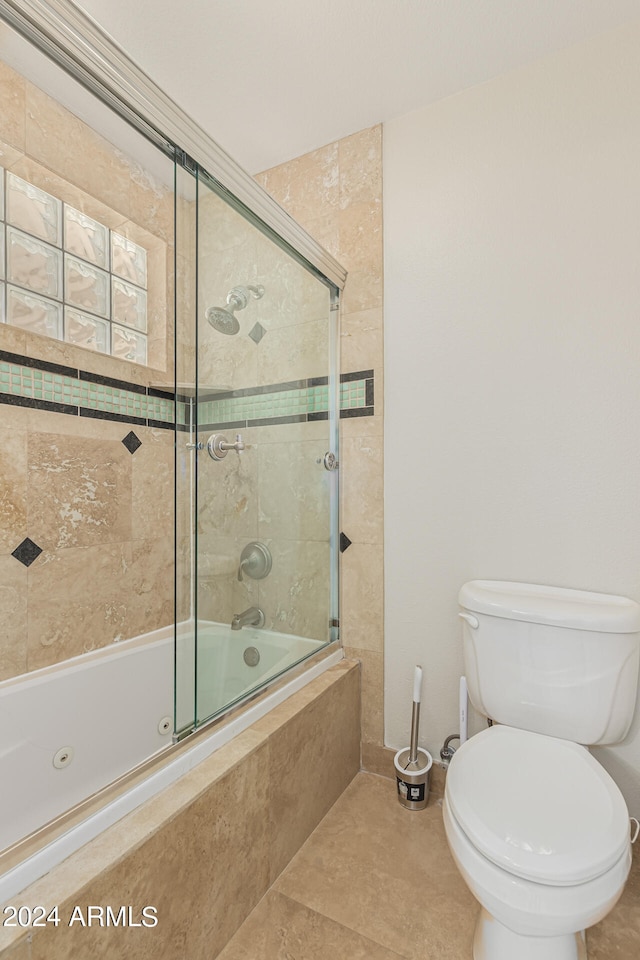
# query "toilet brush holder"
(413, 778)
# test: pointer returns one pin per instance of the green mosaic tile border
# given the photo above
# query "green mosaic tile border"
(46, 389)
(285, 403)
(353, 395)
(52, 387)
(299, 402)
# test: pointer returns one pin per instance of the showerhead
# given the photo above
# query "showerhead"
(223, 320)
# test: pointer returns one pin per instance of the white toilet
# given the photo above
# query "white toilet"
(537, 827)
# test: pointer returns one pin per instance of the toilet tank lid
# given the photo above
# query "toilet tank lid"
(555, 606)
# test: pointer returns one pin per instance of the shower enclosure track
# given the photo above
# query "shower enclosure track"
(76, 43)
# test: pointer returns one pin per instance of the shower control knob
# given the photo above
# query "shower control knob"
(218, 447)
(330, 461)
(255, 561)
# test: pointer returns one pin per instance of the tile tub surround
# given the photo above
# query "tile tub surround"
(87, 489)
(208, 848)
(86, 480)
(94, 498)
(377, 881)
(335, 192)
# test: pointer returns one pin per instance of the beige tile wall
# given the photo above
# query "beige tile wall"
(207, 849)
(336, 194)
(276, 491)
(103, 517)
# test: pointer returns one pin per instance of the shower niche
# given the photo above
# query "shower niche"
(257, 402)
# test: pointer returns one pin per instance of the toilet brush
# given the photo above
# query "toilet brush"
(413, 765)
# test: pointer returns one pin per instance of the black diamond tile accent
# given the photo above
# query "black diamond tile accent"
(345, 543)
(132, 442)
(257, 332)
(27, 551)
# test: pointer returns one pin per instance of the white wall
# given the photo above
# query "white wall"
(512, 358)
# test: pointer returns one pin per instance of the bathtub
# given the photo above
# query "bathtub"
(69, 730)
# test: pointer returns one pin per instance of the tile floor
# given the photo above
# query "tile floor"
(376, 882)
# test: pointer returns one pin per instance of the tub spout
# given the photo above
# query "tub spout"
(253, 617)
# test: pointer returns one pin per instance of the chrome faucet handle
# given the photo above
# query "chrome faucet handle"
(255, 561)
(218, 446)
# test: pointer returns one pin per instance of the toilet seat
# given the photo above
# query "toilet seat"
(527, 907)
(541, 808)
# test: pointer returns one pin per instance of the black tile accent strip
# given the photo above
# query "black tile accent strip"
(368, 393)
(111, 382)
(38, 364)
(356, 412)
(106, 415)
(253, 391)
(273, 421)
(344, 378)
(27, 551)
(228, 425)
(162, 394)
(278, 387)
(85, 375)
(318, 415)
(358, 375)
(16, 401)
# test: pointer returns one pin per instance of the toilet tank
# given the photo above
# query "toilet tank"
(551, 660)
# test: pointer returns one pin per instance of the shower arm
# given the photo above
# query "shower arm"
(237, 297)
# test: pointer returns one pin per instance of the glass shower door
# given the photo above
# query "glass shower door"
(265, 419)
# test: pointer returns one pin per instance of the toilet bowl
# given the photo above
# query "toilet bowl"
(537, 828)
(540, 833)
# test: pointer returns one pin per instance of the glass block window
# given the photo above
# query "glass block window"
(65, 275)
